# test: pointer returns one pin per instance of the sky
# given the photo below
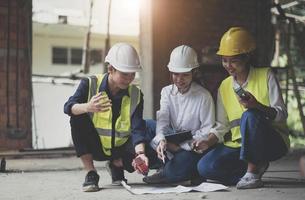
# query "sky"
(124, 19)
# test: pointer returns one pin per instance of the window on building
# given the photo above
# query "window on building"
(96, 56)
(76, 56)
(62, 19)
(59, 55)
(65, 55)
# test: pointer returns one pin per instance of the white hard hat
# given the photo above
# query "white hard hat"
(123, 57)
(183, 59)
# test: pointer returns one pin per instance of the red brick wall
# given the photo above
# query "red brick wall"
(15, 74)
(200, 24)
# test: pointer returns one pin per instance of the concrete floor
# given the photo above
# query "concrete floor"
(61, 178)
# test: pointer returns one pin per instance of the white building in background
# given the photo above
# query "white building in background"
(58, 48)
(59, 30)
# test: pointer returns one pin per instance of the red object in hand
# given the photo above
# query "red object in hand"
(141, 166)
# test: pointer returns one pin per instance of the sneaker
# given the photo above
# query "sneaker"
(91, 182)
(249, 182)
(156, 178)
(262, 168)
(116, 173)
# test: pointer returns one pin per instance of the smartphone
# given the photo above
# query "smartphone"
(241, 93)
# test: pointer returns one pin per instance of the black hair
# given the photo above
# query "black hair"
(249, 58)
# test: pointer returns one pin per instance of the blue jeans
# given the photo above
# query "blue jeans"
(183, 164)
(150, 129)
(260, 143)
(154, 161)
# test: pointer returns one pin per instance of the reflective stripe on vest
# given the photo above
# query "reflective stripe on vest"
(258, 87)
(102, 121)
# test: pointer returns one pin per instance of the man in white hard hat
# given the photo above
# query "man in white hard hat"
(107, 118)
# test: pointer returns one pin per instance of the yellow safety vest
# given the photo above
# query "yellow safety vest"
(102, 121)
(258, 87)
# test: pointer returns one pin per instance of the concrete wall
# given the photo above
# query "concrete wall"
(15, 74)
(200, 24)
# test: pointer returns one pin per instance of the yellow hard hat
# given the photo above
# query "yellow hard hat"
(235, 41)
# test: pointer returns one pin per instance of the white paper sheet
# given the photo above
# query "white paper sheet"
(203, 187)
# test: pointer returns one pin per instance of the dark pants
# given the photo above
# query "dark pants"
(260, 143)
(182, 166)
(86, 141)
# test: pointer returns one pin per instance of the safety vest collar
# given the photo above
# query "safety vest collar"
(132, 91)
(103, 86)
(250, 76)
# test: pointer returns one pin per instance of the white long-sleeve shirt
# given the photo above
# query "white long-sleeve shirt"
(222, 125)
(193, 110)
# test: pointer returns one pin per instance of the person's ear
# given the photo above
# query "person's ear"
(111, 69)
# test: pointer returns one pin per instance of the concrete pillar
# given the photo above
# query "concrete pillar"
(146, 49)
(15, 74)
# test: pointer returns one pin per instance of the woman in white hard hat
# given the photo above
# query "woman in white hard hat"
(106, 110)
(251, 115)
(184, 106)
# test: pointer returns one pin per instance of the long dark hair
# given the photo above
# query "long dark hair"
(249, 58)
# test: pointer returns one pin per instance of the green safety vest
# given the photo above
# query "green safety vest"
(258, 87)
(102, 121)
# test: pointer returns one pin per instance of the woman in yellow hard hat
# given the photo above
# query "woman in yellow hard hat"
(251, 117)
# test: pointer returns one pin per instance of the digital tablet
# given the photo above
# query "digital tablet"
(179, 137)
